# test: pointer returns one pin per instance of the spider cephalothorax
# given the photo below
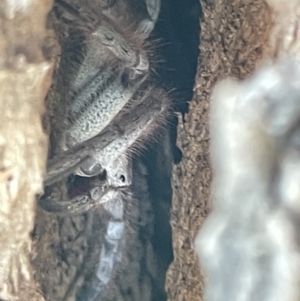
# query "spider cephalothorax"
(112, 103)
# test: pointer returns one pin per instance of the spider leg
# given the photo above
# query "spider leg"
(118, 172)
(89, 168)
(147, 25)
(106, 3)
(78, 204)
(66, 162)
(111, 71)
(153, 7)
(57, 198)
(110, 145)
(136, 123)
(102, 85)
(119, 44)
(100, 91)
(96, 107)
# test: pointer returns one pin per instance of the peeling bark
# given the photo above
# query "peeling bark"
(25, 76)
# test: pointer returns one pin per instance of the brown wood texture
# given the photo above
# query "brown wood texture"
(234, 35)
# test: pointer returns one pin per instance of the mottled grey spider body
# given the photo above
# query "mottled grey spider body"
(113, 105)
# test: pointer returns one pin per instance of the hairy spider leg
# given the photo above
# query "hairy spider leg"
(139, 121)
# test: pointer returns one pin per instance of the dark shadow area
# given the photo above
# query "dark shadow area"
(177, 31)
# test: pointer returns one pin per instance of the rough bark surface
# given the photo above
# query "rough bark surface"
(233, 37)
(25, 76)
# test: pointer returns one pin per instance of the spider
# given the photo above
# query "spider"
(113, 104)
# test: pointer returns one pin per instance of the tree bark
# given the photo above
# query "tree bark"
(233, 39)
(25, 76)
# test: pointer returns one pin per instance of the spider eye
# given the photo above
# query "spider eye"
(122, 178)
